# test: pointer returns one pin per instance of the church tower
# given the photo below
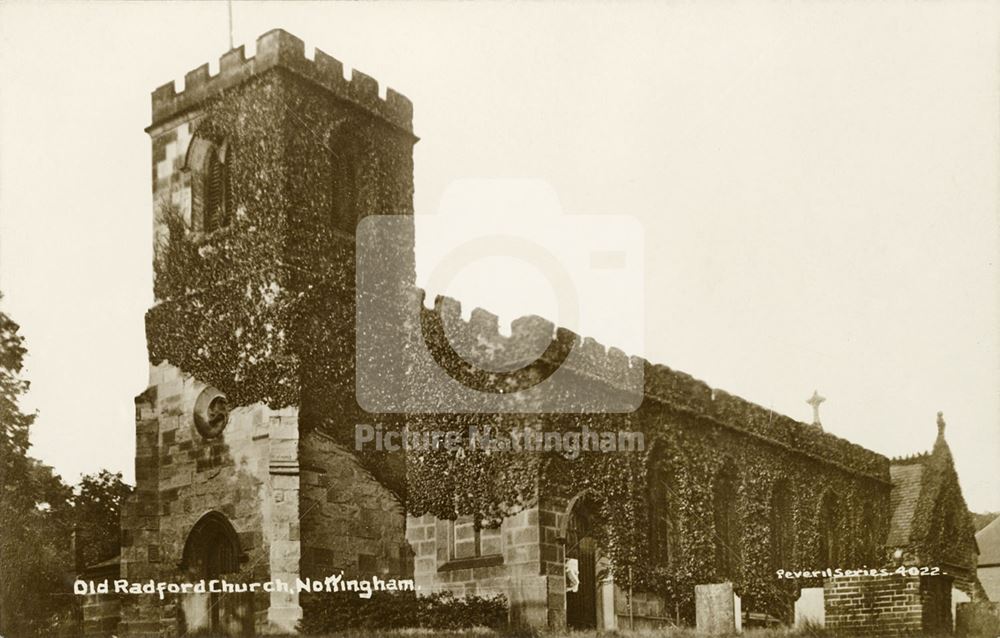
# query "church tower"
(260, 174)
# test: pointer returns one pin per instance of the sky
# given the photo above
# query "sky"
(807, 194)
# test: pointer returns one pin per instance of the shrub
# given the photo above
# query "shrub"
(398, 610)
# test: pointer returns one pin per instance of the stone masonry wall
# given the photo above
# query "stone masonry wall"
(249, 474)
(527, 565)
(101, 615)
(513, 567)
(612, 598)
(873, 605)
(350, 522)
(312, 153)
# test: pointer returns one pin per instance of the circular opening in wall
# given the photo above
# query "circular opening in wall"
(211, 413)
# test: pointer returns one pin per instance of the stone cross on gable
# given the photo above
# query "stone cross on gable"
(815, 400)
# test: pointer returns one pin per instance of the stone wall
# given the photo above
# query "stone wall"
(350, 522)
(525, 563)
(981, 618)
(249, 474)
(101, 615)
(297, 192)
(525, 560)
(697, 431)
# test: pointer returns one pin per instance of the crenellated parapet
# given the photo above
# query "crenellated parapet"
(479, 341)
(278, 48)
(530, 340)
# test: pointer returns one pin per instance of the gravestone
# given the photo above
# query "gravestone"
(809, 608)
(957, 596)
(716, 609)
(738, 612)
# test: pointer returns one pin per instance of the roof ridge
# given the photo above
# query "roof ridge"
(910, 458)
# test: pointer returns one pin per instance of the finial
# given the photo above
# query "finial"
(815, 400)
(940, 423)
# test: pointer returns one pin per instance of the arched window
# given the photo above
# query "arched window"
(209, 163)
(728, 532)
(782, 541)
(342, 193)
(871, 544)
(829, 531)
(950, 528)
(660, 527)
(948, 521)
(782, 527)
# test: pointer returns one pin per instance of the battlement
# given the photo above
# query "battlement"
(659, 384)
(278, 48)
(532, 337)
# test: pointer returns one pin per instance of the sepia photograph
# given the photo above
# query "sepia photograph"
(511, 318)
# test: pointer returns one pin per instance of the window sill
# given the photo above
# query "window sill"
(201, 237)
(468, 563)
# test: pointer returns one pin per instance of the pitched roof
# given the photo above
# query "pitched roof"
(988, 540)
(906, 485)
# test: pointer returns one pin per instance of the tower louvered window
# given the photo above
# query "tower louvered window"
(217, 190)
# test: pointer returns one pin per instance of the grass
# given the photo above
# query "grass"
(666, 632)
(669, 632)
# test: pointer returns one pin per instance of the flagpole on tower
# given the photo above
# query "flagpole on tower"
(229, 4)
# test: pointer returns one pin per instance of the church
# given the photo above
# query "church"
(278, 307)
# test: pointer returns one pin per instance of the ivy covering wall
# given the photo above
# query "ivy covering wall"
(941, 531)
(263, 309)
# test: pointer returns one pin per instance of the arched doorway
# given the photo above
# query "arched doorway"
(581, 558)
(212, 552)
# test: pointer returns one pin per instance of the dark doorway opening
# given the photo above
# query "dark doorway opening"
(212, 552)
(581, 605)
(936, 597)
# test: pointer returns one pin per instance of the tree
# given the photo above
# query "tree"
(14, 426)
(97, 514)
(33, 502)
(13, 422)
(39, 514)
(35, 561)
(982, 519)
